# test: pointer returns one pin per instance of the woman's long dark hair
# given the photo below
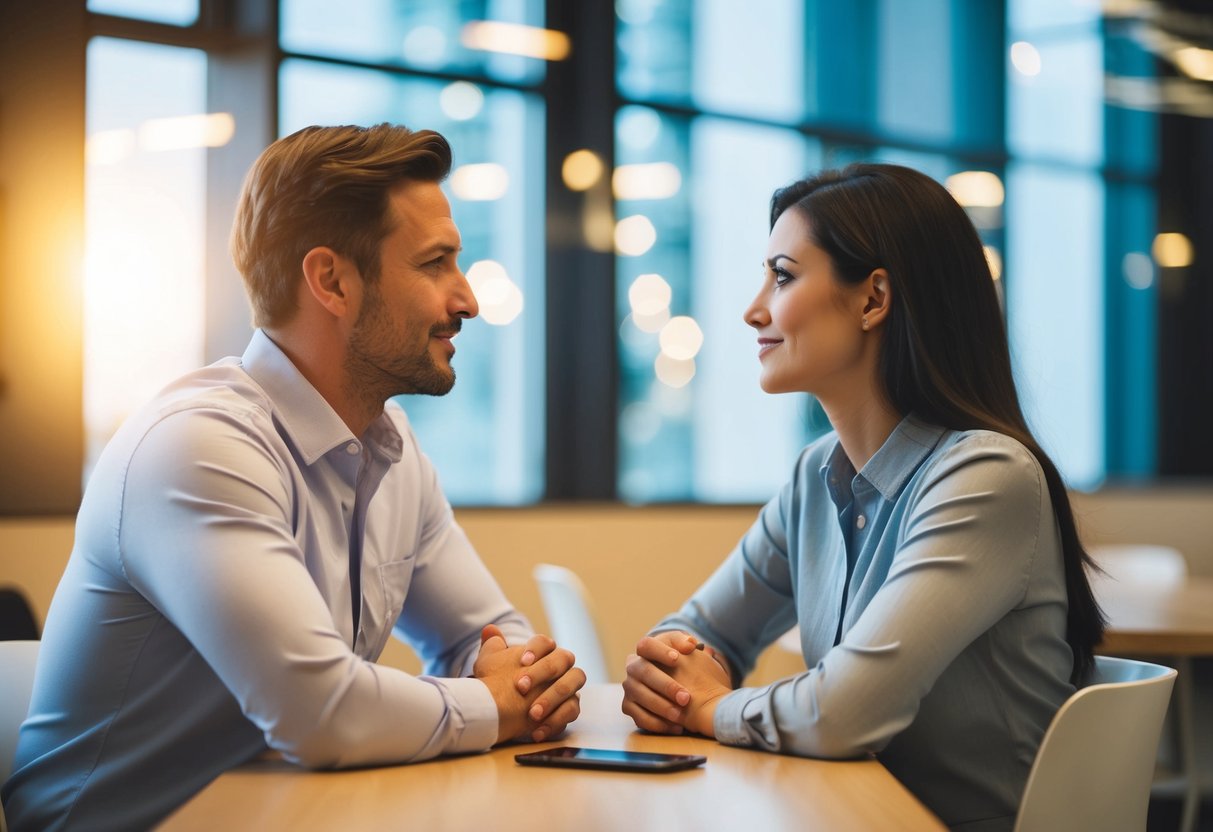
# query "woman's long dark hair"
(944, 356)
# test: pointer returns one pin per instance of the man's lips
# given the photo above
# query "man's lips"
(447, 339)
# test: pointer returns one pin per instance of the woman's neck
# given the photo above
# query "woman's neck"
(863, 423)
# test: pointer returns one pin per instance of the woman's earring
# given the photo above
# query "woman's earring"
(865, 324)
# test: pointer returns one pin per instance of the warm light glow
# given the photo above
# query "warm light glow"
(143, 289)
(581, 170)
(1172, 250)
(499, 298)
(672, 371)
(1025, 58)
(185, 132)
(658, 180)
(480, 183)
(108, 147)
(484, 271)
(1195, 62)
(1138, 270)
(652, 323)
(634, 235)
(976, 189)
(504, 310)
(516, 39)
(994, 259)
(598, 225)
(461, 100)
(681, 338)
(649, 294)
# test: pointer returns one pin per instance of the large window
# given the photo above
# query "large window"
(611, 183)
(144, 201)
(729, 102)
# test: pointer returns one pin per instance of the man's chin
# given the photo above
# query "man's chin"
(436, 384)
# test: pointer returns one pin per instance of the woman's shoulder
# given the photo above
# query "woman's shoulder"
(983, 454)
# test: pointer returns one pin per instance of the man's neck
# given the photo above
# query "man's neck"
(322, 363)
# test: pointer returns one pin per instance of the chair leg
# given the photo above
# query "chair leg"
(1187, 743)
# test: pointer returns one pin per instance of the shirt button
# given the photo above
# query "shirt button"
(351, 448)
(860, 521)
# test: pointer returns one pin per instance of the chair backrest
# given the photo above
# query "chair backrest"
(570, 613)
(1096, 762)
(16, 618)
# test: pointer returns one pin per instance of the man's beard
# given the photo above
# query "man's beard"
(377, 365)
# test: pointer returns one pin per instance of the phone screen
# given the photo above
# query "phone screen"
(602, 758)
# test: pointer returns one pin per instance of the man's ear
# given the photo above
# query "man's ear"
(877, 299)
(329, 279)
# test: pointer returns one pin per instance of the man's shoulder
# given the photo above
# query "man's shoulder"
(222, 387)
(200, 402)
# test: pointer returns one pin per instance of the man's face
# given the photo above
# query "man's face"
(401, 341)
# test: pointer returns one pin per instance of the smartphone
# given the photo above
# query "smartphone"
(602, 758)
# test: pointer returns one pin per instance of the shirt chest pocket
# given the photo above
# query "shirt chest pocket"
(384, 602)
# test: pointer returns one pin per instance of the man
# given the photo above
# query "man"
(250, 538)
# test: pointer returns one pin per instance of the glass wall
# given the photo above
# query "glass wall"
(737, 101)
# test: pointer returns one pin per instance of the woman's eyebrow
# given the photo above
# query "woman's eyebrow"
(771, 261)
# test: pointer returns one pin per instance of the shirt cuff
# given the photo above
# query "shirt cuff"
(729, 722)
(474, 711)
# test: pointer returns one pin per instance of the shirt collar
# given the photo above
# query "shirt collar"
(306, 417)
(891, 467)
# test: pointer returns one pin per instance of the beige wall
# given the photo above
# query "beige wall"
(640, 563)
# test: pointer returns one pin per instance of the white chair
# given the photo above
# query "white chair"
(1134, 567)
(17, 660)
(1095, 764)
(570, 614)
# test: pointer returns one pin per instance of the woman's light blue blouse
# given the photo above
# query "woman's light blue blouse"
(930, 597)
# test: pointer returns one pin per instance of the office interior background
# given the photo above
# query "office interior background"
(613, 166)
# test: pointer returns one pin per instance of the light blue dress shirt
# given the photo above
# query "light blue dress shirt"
(930, 597)
(205, 613)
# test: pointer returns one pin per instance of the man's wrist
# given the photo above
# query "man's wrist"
(705, 716)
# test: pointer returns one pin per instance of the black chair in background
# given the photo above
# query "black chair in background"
(16, 618)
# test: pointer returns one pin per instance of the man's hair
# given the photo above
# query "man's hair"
(324, 186)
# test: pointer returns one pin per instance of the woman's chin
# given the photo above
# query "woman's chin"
(772, 385)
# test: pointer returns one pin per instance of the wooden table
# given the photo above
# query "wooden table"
(1165, 621)
(736, 789)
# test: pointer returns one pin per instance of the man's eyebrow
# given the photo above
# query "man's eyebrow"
(771, 261)
(436, 249)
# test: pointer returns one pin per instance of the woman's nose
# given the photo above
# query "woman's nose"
(756, 314)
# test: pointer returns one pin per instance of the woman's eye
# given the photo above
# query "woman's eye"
(782, 276)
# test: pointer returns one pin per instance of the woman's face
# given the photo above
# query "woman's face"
(809, 325)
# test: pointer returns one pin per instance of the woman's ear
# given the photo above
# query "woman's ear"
(877, 299)
(327, 276)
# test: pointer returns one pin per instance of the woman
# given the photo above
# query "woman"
(926, 549)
